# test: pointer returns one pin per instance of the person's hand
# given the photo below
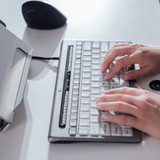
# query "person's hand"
(141, 108)
(148, 58)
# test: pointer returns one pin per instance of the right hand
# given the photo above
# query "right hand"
(148, 58)
(141, 108)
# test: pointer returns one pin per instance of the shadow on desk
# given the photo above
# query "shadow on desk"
(45, 43)
(146, 150)
(12, 140)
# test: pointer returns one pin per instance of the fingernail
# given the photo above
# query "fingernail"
(105, 117)
(98, 105)
(107, 77)
(98, 98)
(102, 68)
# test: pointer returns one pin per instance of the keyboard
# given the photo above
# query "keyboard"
(83, 81)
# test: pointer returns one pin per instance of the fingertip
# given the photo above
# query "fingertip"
(105, 117)
(102, 67)
(109, 76)
(98, 98)
(137, 86)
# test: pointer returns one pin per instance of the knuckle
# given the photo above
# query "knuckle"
(124, 120)
(120, 62)
(115, 49)
(118, 105)
(119, 97)
(114, 46)
(144, 96)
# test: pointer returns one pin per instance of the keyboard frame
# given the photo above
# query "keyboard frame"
(57, 134)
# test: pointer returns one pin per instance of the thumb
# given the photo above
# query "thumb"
(135, 74)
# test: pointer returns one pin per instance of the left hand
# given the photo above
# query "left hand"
(141, 108)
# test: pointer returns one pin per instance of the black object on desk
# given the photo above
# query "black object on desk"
(40, 15)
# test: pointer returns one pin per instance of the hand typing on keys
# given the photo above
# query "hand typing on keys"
(141, 107)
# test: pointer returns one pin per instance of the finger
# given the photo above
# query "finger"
(137, 86)
(118, 106)
(124, 90)
(116, 51)
(123, 119)
(136, 74)
(115, 97)
(120, 64)
(116, 45)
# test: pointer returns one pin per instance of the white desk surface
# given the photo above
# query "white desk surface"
(26, 139)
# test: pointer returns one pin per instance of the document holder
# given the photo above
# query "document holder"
(15, 58)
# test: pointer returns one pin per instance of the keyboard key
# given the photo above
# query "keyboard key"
(79, 52)
(74, 110)
(87, 45)
(74, 103)
(84, 115)
(94, 129)
(105, 83)
(73, 116)
(86, 81)
(93, 104)
(78, 65)
(95, 67)
(94, 112)
(73, 123)
(76, 81)
(93, 97)
(111, 44)
(84, 122)
(86, 75)
(87, 58)
(96, 56)
(85, 100)
(85, 108)
(96, 72)
(79, 43)
(96, 45)
(96, 78)
(115, 81)
(86, 69)
(105, 129)
(123, 83)
(78, 55)
(85, 94)
(85, 87)
(95, 61)
(95, 91)
(105, 88)
(127, 132)
(76, 70)
(83, 131)
(96, 84)
(94, 119)
(87, 63)
(104, 46)
(76, 76)
(87, 53)
(95, 51)
(78, 61)
(75, 97)
(116, 129)
(72, 131)
(103, 55)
